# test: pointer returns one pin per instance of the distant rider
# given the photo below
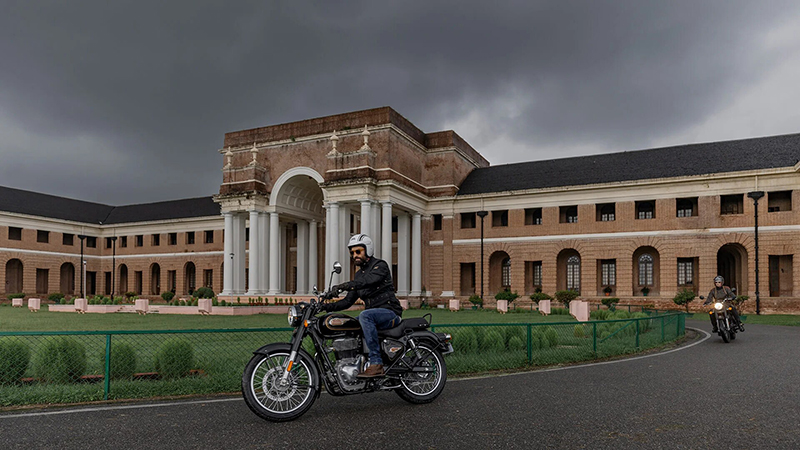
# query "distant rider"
(722, 293)
(372, 283)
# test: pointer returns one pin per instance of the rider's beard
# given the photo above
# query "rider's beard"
(358, 261)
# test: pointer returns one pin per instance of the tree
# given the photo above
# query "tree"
(684, 297)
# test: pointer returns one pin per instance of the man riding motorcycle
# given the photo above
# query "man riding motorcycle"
(372, 283)
(721, 293)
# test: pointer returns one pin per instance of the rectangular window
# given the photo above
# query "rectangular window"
(468, 220)
(209, 236)
(731, 204)
(155, 241)
(568, 214)
(42, 236)
(42, 279)
(172, 276)
(533, 276)
(189, 237)
(123, 241)
(109, 242)
(500, 218)
(173, 239)
(137, 282)
(208, 278)
(686, 207)
(685, 271)
(14, 234)
(646, 209)
(437, 222)
(91, 242)
(533, 216)
(779, 201)
(394, 229)
(139, 240)
(67, 239)
(608, 272)
(606, 212)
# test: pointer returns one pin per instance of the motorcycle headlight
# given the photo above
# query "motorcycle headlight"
(294, 316)
(718, 306)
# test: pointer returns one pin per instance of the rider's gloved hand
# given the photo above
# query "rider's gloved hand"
(336, 289)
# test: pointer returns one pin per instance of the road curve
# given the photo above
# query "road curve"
(711, 395)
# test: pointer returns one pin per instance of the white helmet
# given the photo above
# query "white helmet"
(364, 241)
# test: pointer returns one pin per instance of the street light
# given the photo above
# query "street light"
(755, 195)
(83, 264)
(482, 214)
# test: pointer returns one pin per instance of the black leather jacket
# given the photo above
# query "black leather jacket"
(372, 284)
(720, 294)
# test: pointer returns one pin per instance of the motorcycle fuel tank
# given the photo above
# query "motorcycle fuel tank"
(335, 323)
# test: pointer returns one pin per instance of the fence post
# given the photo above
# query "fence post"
(530, 344)
(594, 338)
(107, 380)
(662, 329)
(637, 333)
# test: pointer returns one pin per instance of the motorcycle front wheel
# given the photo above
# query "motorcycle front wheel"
(724, 332)
(274, 399)
(426, 376)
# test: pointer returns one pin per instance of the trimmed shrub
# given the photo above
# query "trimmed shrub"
(506, 295)
(536, 296)
(566, 296)
(683, 298)
(55, 297)
(465, 340)
(611, 302)
(130, 294)
(18, 295)
(493, 341)
(578, 331)
(516, 343)
(559, 311)
(123, 361)
(60, 360)
(551, 336)
(600, 314)
(167, 296)
(203, 292)
(510, 332)
(174, 358)
(14, 359)
(476, 300)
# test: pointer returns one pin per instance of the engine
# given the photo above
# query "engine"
(348, 361)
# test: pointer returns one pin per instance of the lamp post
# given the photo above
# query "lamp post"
(755, 195)
(113, 263)
(83, 264)
(482, 214)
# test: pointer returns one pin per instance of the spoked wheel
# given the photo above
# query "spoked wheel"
(724, 332)
(426, 375)
(270, 396)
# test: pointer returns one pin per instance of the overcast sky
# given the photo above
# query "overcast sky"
(123, 102)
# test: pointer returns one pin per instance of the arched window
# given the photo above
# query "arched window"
(574, 273)
(506, 271)
(646, 270)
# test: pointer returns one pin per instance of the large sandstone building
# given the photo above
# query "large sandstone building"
(638, 225)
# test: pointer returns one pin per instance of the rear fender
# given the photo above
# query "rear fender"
(431, 339)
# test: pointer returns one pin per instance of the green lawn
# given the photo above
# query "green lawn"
(20, 319)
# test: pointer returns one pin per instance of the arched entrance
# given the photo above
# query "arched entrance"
(568, 275)
(646, 269)
(155, 279)
(732, 265)
(189, 278)
(13, 276)
(67, 279)
(123, 278)
(499, 272)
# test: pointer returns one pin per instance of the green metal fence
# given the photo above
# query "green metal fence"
(80, 366)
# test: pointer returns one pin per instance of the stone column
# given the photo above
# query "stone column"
(403, 260)
(332, 239)
(239, 254)
(375, 230)
(263, 251)
(450, 276)
(343, 256)
(227, 276)
(274, 253)
(284, 257)
(386, 233)
(416, 256)
(302, 258)
(253, 260)
(366, 218)
(312, 256)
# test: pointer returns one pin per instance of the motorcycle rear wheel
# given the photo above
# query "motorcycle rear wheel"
(268, 397)
(423, 387)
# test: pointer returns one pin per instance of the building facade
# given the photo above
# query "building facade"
(639, 225)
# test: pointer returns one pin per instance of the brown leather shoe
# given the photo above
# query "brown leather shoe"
(372, 372)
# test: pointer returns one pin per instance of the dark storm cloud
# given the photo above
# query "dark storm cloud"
(126, 102)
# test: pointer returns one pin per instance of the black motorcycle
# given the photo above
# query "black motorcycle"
(727, 325)
(283, 380)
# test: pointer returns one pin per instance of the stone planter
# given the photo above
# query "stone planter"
(404, 304)
(142, 305)
(81, 305)
(544, 307)
(502, 306)
(204, 305)
(16, 302)
(455, 305)
(34, 304)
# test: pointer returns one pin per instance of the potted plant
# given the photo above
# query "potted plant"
(476, 300)
(645, 291)
(607, 290)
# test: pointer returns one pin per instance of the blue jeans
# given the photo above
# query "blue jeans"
(371, 321)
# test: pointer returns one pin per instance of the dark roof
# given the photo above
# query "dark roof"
(45, 205)
(683, 160)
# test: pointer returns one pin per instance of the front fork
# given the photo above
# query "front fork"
(297, 340)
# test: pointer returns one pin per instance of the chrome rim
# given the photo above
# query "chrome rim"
(422, 383)
(273, 394)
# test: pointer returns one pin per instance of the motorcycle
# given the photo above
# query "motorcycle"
(282, 380)
(727, 326)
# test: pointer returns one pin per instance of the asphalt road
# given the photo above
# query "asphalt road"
(741, 395)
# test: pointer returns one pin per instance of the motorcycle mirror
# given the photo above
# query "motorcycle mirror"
(337, 267)
(702, 298)
(314, 289)
(733, 290)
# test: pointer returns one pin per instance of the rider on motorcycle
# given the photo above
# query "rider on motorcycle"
(372, 283)
(721, 293)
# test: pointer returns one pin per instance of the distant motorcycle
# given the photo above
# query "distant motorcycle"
(727, 326)
(282, 380)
